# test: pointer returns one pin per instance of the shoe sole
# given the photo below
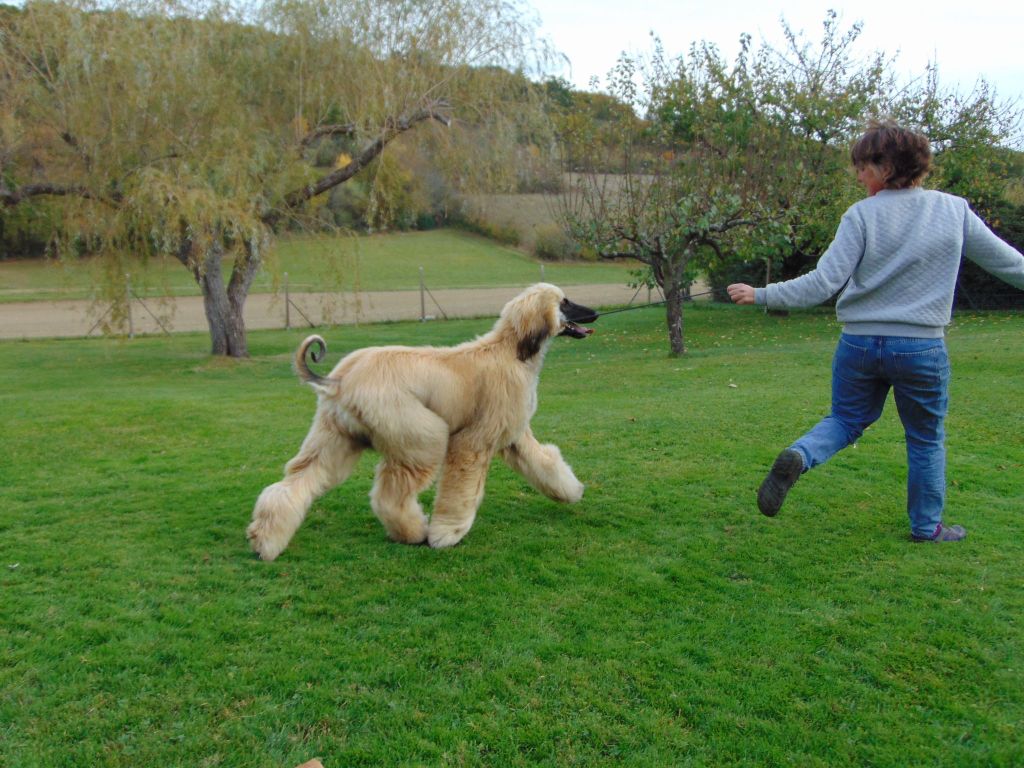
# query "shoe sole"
(784, 473)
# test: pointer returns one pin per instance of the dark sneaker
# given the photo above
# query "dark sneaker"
(944, 533)
(785, 471)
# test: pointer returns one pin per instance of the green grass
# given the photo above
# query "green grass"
(449, 258)
(660, 622)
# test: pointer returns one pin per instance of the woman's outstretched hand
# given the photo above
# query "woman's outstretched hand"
(741, 293)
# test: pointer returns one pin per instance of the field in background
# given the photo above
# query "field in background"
(530, 215)
(660, 622)
(449, 258)
(526, 214)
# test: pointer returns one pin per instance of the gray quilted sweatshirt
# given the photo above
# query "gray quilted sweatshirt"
(897, 254)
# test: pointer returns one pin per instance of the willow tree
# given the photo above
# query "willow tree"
(183, 129)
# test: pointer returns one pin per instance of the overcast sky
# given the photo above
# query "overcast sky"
(968, 39)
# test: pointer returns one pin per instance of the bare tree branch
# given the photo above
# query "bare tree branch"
(12, 197)
(392, 128)
(346, 129)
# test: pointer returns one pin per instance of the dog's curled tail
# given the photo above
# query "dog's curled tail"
(317, 354)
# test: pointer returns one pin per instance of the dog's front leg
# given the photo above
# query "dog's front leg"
(459, 493)
(544, 468)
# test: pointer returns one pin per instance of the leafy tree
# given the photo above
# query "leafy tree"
(819, 97)
(747, 160)
(969, 135)
(823, 95)
(683, 182)
(191, 130)
(817, 94)
(742, 170)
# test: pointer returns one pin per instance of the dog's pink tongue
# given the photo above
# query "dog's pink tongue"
(588, 331)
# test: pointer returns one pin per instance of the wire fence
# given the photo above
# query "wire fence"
(303, 305)
(138, 312)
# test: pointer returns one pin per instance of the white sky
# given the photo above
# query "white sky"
(968, 39)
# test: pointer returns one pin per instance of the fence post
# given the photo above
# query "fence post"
(423, 300)
(542, 273)
(128, 303)
(287, 305)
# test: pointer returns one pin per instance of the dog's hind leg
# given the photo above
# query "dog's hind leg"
(544, 468)
(413, 444)
(459, 494)
(326, 459)
(394, 500)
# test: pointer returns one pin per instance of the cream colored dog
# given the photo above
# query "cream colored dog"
(425, 410)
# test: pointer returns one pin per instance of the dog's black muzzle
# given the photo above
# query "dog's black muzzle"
(574, 314)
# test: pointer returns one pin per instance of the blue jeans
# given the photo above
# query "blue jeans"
(863, 370)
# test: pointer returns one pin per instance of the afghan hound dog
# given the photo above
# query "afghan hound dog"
(428, 411)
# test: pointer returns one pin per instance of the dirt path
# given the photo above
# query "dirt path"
(46, 319)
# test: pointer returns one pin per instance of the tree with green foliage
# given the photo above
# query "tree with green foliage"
(817, 94)
(972, 135)
(685, 176)
(822, 95)
(741, 170)
(186, 131)
(969, 134)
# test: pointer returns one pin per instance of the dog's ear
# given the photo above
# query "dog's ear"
(533, 326)
(534, 316)
(530, 345)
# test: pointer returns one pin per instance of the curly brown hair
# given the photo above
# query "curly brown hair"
(903, 155)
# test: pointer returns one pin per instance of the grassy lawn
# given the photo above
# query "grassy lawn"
(449, 258)
(660, 622)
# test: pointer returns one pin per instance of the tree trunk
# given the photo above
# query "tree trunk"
(674, 318)
(223, 308)
(669, 276)
(224, 305)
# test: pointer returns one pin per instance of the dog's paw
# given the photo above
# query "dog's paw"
(567, 491)
(575, 493)
(445, 537)
(263, 545)
(411, 539)
(407, 529)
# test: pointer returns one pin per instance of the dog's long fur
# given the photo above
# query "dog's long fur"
(427, 410)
